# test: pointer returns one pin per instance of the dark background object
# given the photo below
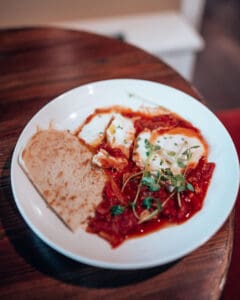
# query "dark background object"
(217, 72)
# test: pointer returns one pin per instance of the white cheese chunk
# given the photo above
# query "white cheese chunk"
(140, 150)
(93, 133)
(121, 133)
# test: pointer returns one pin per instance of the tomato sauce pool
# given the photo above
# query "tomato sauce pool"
(125, 198)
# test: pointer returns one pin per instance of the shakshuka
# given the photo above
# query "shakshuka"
(156, 169)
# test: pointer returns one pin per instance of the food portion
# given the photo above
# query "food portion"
(123, 173)
(60, 168)
(175, 149)
(156, 168)
(120, 134)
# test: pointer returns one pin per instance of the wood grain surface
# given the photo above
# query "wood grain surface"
(36, 65)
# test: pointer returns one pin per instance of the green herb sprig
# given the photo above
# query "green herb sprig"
(117, 210)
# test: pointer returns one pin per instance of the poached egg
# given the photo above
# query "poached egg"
(176, 149)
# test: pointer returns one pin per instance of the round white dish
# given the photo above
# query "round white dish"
(68, 111)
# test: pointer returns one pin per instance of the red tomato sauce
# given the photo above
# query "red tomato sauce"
(117, 228)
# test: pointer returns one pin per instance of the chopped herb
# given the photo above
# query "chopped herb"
(171, 153)
(154, 158)
(120, 127)
(179, 179)
(180, 163)
(117, 210)
(181, 188)
(163, 178)
(178, 183)
(146, 142)
(156, 147)
(168, 172)
(147, 202)
(154, 187)
(190, 187)
(150, 182)
(147, 179)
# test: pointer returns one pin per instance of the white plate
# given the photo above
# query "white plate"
(67, 112)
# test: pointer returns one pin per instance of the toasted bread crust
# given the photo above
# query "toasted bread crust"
(60, 168)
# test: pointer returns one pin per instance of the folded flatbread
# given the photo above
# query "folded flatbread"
(60, 168)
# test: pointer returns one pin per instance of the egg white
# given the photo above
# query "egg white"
(167, 149)
(93, 133)
(121, 133)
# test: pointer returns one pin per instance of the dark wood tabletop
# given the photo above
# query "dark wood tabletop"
(36, 65)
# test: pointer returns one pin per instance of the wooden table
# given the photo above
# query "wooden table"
(36, 65)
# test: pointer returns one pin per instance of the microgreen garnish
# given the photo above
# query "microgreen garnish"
(178, 181)
(129, 178)
(180, 163)
(167, 178)
(150, 147)
(147, 202)
(147, 216)
(117, 210)
(150, 181)
(190, 187)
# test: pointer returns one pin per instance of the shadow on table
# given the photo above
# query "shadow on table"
(49, 262)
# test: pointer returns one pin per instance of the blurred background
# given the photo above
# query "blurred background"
(199, 38)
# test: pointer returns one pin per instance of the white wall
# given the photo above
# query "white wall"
(34, 12)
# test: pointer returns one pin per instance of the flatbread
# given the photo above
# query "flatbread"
(60, 168)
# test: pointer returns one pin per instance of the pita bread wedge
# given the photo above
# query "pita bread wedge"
(59, 166)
